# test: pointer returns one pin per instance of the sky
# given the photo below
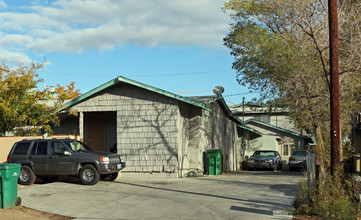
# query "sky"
(175, 45)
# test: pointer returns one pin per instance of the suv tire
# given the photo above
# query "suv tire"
(27, 176)
(89, 175)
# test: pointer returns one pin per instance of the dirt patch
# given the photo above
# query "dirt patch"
(21, 212)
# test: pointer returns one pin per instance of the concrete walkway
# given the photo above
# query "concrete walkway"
(249, 195)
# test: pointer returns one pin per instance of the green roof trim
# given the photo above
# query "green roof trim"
(250, 129)
(278, 128)
(121, 79)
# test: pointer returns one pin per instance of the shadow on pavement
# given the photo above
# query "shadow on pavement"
(250, 210)
(256, 203)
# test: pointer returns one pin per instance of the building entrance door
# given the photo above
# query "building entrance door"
(95, 133)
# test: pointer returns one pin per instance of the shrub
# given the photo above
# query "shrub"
(331, 198)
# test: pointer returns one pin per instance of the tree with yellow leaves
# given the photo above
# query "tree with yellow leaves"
(24, 106)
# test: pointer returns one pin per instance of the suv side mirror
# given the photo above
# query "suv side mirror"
(66, 153)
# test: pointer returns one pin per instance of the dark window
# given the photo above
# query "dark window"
(42, 148)
(57, 148)
(77, 146)
(33, 150)
(303, 153)
(287, 149)
(21, 148)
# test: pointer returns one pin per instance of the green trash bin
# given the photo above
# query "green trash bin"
(214, 161)
(9, 174)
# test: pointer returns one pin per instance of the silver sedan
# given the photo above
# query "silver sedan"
(266, 159)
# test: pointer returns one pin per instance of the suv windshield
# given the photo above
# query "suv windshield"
(77, 146)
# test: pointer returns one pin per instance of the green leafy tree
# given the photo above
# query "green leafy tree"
(281, 49)
(24, 106)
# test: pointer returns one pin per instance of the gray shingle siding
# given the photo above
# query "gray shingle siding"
(147, 132)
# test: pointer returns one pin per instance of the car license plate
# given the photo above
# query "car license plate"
(119, 166)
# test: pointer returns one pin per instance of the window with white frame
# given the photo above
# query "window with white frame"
(287, 149)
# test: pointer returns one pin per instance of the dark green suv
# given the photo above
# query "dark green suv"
(50, 158)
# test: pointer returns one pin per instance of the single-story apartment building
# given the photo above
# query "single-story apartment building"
(271, 137)
(155, 131)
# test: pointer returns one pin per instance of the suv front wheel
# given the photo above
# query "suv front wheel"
(89, 175)
(27, 176)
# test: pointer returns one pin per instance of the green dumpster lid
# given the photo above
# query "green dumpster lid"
(8, 166)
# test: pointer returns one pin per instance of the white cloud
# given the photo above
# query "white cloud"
(14, 57)
(3, 5)
(75, 26)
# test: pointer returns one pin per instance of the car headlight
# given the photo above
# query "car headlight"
(270, 161)
(105, 160)
(251, 161)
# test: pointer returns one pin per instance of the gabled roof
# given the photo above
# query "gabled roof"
(250, 129)
(278, 128)
(121, 79)
(206, 100)
(202, 99)
(258, 109)
(248, 104)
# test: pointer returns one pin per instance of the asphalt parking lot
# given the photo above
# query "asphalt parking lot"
(246, 195)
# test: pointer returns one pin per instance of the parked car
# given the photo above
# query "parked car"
(50, 158)
(298, 160)
(266, 159)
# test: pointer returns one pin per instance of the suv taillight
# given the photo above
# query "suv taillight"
(292, 159)
(8, 159)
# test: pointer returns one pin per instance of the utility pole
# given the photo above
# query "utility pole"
(243, 109)
(334, 87)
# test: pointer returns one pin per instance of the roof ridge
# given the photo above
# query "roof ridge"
(134, 83)
(277, 128)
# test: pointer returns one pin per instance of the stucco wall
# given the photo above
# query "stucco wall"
(282, 121)
(147, 126)
(265, 142)
(278, 120)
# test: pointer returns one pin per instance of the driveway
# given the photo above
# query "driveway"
(245, 195)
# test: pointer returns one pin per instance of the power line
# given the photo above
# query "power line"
(145, 75)
(180, 74)
(247, 93)
(229, 101)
